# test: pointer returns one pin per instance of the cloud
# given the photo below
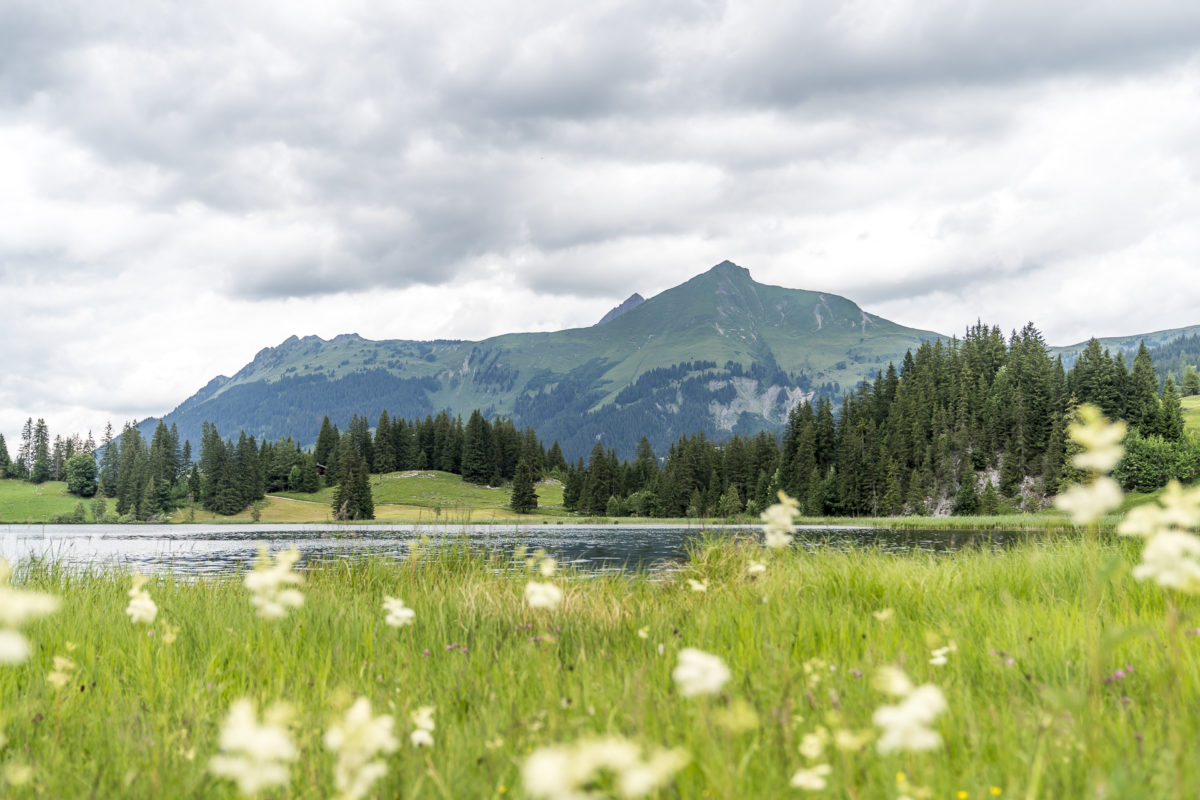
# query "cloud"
(185, 184)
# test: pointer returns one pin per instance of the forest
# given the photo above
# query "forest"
(963, 426)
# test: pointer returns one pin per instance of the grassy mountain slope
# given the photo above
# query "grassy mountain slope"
(717, 353)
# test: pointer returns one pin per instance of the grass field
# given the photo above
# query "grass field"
(1191, 413)
(1035, 704)
(27, 502)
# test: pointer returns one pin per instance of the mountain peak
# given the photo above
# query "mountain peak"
(633, 301)
(728, 269)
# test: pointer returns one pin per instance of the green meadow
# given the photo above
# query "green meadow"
(1068, 678)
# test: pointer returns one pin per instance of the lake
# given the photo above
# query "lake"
(216, 549)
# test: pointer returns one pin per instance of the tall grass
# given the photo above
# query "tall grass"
(141, 717)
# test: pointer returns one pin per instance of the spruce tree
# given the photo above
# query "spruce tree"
(1191, 381)
(5, 461)
(1170, 419)
(524, 500)
(478, 454)
(40, 471)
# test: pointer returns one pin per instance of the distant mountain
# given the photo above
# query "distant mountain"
(633, 302)
(719, 353)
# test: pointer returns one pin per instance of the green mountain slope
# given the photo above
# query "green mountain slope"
(718, 353)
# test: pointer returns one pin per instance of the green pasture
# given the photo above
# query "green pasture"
(1036, 707)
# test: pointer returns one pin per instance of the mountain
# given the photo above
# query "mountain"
(719, 353)
(633, 302)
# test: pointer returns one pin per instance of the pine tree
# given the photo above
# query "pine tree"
(353, 499)
(1170, 419)
(326, 441)
(478, 455)
(5, 461)
(524, 500)
(1191, 381)
(110, 463)
(40, 471)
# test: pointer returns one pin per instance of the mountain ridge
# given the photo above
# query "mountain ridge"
(719, 353)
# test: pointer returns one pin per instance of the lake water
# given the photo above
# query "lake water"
(215, 549)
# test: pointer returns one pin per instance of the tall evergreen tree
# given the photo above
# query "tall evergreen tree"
(353, 499)
(40, 471)
(524, 500)
(5, 461)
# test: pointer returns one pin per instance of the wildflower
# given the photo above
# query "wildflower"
(141, 608)
(1172, 560)
(697, 586)
(254, 755)
(563, 772)
(542, 595)
(644, 633)
(756, 568)
(963, 795)
(698, 673)
(812, 779)
(169, 632)
(906, 725)
(883, 614)
(399, 614)
(422, 719)
(939, 654)
(1086, 504)
(777, 519)
(357, 739)
(848, 741)
(995, 791)
(266, 583)
(16, 608)
(812, 745)
(548, 567)
(893, 681)
(1100, 438)
(739, 717)
(61, 674)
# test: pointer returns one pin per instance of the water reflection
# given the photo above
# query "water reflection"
(215, 549)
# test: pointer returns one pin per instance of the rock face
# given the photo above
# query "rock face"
(633, 302)
(719, 354)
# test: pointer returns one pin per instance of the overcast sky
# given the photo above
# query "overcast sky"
(183, 184)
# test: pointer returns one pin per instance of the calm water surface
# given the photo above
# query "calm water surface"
(214, 549)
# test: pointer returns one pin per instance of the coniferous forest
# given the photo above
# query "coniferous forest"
(963, 426)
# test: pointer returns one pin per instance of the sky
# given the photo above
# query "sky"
(184, 184)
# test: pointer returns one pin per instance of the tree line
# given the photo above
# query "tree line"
(971, 425)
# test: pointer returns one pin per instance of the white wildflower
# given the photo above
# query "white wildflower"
(1172, 560)
(1089, 502)
(254, 755)
(422, 719)
(60, 676)
(141, 608)
(698, 673)
(564, 772)
(398, 614)
(906, 725)
(357, 739)
(269, 583)
(1176, 509)
(812, 779)
(547, 567)
(893, 681)
(1101, 440)
(777, 519)
(14, 647)
(938, 655)
(756, 568)
(18, 606)
(697, 586)
(812, 745)
(542, 595)
(883, 614)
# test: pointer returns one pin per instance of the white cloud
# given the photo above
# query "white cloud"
(185, 185)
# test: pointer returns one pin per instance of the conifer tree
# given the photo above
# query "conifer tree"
(353, 499)
(524, 500)
(5, 461)
(1170, 420)
(40, 471)
(1191, 381)
(109, 463)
